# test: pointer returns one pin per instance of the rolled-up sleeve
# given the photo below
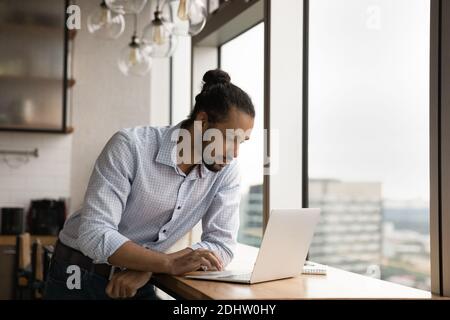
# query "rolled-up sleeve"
(105, 199)
(220, 223)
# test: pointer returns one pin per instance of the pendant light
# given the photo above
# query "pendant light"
(135, 58)
(169, 19)
(104, 23)
(158, 33)
(190, 17)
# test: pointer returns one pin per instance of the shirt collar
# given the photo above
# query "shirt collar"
(167, 153)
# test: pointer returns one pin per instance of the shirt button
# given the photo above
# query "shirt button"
(179, 207)
(164, 231)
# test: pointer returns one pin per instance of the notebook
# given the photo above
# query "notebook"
(314, 268)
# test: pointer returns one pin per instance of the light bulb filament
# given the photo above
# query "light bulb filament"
(158, 35)
(105, 17)
(133, 57)
(182, 10)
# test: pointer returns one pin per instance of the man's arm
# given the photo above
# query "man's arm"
(126, 283)
(132, 256)
(135, 257)
(221, 222)
(105, 200)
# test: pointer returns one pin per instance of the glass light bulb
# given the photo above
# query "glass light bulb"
(105, 24)
(126, 6)
(134, 59)
(190, 18)
(157, 34)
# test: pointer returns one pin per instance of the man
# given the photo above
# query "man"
(147, 191)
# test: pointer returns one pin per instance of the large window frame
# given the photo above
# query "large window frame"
(440, 147)
(229, 21)
(282, 64)
(439, 140)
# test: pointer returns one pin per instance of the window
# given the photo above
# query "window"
(368, 139)
(180, 69)
(243, 58)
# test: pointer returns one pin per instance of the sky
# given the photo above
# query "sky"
(368, 94)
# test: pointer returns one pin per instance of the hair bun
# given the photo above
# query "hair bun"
(216, 76)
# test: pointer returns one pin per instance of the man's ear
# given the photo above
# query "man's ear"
(203, 117)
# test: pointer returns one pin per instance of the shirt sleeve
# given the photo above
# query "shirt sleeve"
(220, 223)
(105, 199)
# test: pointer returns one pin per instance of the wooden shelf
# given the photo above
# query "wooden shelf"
(30, 129)
(24, 78)
(10, 240)
(36, 128)
(36, 29)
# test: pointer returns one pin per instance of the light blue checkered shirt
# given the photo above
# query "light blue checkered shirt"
(136, 192)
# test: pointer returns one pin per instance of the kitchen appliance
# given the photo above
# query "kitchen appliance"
(46, 216)
(12, 220)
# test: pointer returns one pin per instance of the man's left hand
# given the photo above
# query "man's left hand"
(126, 283)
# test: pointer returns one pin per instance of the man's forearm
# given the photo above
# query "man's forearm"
(180, 253)
(132, 256)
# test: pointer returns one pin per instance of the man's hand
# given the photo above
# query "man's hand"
(125, 284)
(193, 261)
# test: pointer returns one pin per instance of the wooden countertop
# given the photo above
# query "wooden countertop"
(337, 284)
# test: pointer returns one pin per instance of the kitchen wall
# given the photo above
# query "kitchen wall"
(104, 101)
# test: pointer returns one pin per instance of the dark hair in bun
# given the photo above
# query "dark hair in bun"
(218, 95)
(216, 76)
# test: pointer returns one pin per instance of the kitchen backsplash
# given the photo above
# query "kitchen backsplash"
(47, 176)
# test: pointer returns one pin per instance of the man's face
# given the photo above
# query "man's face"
(231, 133)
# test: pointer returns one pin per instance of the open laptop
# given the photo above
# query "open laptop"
(283, 249)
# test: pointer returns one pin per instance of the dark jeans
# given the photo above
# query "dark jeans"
(92, 286)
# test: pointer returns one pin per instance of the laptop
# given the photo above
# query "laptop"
(283, 249)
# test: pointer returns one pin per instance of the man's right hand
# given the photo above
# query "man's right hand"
(193, 261)
(135, 257)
